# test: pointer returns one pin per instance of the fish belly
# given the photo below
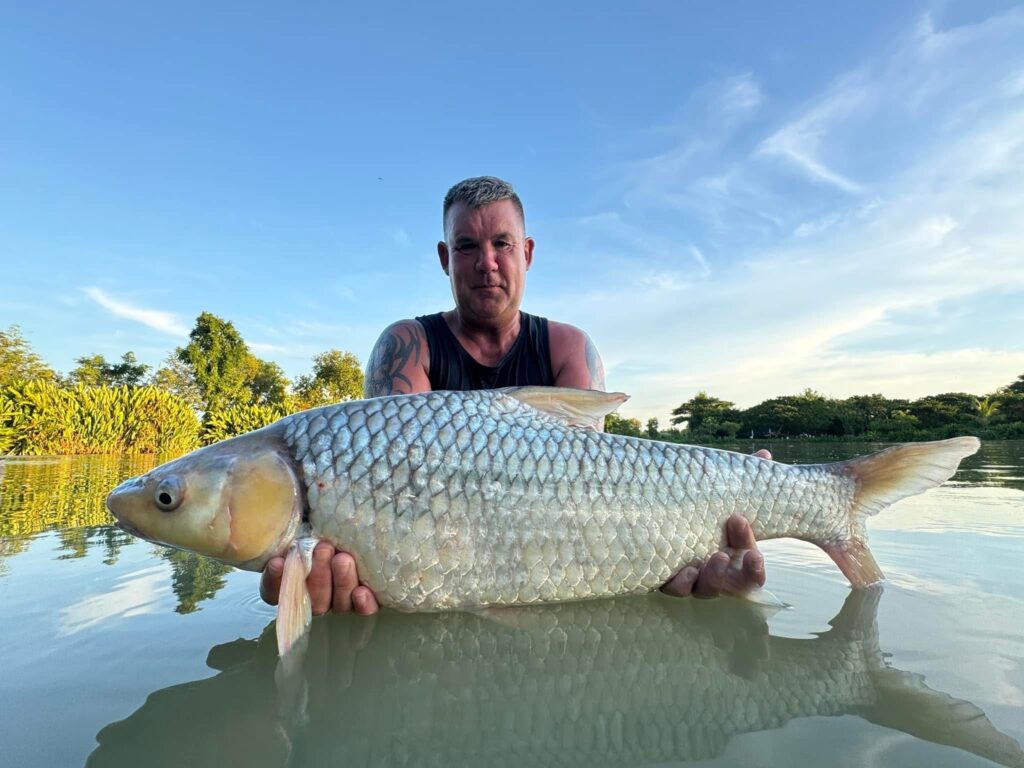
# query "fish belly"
(468, 499)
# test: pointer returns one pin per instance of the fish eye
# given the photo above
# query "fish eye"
(169, 494)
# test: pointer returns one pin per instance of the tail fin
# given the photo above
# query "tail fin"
(886, 477)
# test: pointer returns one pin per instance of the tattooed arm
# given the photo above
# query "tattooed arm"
(399, 361)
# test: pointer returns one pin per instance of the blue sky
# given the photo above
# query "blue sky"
(749, 198)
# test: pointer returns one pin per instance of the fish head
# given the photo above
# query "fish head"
(238, 501)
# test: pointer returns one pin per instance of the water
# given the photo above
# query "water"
(119, 653)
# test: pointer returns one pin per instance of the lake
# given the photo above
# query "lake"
(119, 653)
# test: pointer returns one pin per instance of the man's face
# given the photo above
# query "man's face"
(486, 257)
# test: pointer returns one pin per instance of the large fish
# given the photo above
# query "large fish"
(471, 499)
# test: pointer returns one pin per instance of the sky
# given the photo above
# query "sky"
(743, 198)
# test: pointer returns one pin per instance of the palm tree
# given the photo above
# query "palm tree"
(987, 408)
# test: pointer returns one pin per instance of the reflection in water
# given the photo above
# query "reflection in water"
(67, 494)
(194, 578)
(599, 683)
(61, 492)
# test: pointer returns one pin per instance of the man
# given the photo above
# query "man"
(487, 342)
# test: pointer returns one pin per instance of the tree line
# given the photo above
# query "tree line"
(704, 418)
(207, 390)
(215, 387)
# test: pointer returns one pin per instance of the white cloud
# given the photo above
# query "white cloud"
(699, 258)
(799, 142)
(257, 346)
(165, 322)
(806, 286)
(740, 94)
(136, 593)
(661, 282)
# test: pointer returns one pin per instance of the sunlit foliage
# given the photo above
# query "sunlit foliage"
(42, 418)
(94, 370)
(337, 376)
(219, 361)
(222, 423)
(17, 359)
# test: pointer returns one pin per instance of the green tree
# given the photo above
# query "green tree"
(18, 361)
(1010, 407)
(987, 408)
(219, 361)
(337, 376)
(861, 413)
(1016, 387)
(89, 370)
(701, 407)
(938, 411)
(267, 383)
(653, 433)
(900, 425)
(176, 378)
(95, 371)
(128, 373)
(809, 413)
(618, 425)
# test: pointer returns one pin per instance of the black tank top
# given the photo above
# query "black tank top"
(452, 367)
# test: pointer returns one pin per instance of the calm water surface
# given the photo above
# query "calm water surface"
(119, 653)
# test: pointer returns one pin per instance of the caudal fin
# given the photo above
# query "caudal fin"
(882, 479)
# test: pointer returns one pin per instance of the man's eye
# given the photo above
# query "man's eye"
(502, 245)
(466, 247)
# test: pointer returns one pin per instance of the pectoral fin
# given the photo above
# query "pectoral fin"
(294, 609)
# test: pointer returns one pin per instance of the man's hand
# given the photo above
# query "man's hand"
(734, 570)
(332, 582)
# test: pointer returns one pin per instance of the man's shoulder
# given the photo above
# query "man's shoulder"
(563, 336)
(404, 328)
(574, 358)
(399, 361)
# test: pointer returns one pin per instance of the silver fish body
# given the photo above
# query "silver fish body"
(471, 499)
(465, 499)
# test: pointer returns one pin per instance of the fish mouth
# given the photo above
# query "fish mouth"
(119, 494)
(128, 528)
(133, 531)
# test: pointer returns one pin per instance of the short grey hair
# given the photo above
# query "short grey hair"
(478, 192)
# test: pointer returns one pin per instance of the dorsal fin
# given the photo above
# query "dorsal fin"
(576, 407)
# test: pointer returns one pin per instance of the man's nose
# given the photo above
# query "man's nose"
(487, 258)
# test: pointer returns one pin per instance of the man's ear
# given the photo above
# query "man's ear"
(442, 255)
(528, 251)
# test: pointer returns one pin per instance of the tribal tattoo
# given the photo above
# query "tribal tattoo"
(393, 350)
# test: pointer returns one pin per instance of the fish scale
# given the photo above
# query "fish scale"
(487, 500)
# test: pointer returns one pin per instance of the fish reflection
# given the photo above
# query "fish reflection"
(607, 682)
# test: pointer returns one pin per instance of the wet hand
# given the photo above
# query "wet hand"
(734, 570)
(333, 583)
